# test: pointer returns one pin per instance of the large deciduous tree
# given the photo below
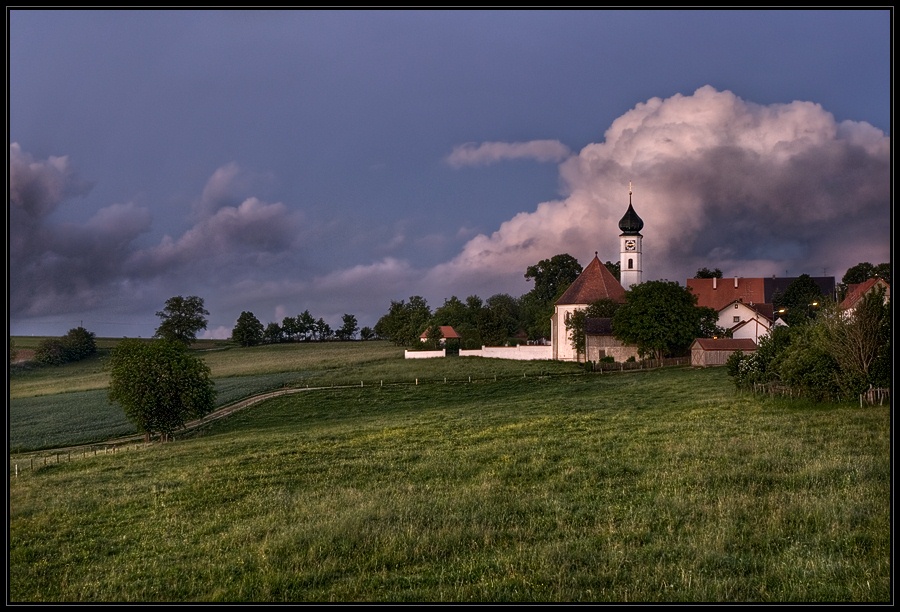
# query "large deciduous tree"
(181, 319)
(800, 301)
(660, 317)
(405, 321)
(160, 385)
(248, 331)
(551, 278)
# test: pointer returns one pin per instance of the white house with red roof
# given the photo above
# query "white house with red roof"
(743, 320)
(858, 291)
(447, 333)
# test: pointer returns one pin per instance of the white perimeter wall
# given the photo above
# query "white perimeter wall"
(522, 352)
(424, 354)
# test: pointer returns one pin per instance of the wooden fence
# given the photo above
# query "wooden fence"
(646, 364)
(874, 395)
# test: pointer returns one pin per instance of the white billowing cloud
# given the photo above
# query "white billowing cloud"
(228, 186)
(486, 153)
(719, 182)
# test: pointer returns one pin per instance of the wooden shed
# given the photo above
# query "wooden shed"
(716, 351)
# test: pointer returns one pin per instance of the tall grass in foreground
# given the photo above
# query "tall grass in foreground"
(660, 486)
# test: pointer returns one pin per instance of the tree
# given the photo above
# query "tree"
(248, 331)
(405, 321)
(367, 333)
(159, 384)
(80, 343)
(859, 273)
(660, 317)
(273, 333)
(433, 337)
(708, 324)
(707, 273)
(349, 327)
(182, 318)
(601, 309)
(453, 313)
(323, 330)
(51, 351)
(290, 328)
(800, 300)
(862, 272)
(77, 344)
(615, 268)
(498, 319)
(306, 325)
(861, 342)
(551, 278)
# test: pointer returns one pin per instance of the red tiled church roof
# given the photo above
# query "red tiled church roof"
(594, 283)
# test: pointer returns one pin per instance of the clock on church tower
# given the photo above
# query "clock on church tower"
(630, 240)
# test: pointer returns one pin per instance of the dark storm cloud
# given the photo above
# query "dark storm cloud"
(60, 266)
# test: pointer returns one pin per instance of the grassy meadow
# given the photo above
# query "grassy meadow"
(456, 480)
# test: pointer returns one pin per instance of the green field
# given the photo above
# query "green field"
(461, 480)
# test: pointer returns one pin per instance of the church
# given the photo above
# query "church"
(594, 283)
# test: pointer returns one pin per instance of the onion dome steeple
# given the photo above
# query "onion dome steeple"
(630, 224)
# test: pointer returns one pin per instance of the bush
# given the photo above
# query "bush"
(77, 344)
(51, 351)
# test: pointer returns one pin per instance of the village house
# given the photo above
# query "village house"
(447, 333)
(857, 291)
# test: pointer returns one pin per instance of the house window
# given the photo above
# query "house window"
(737, 319)
(735, 306)
(630, 264)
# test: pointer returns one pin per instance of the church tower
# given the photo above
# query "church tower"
(630, 246)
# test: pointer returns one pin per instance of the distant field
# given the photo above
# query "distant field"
(67, 405)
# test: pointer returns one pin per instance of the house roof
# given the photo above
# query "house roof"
(766, 325)
(594, 283)
(446, 330)
(766, 310)
(724, 344)
(719, 292)
(856, 291)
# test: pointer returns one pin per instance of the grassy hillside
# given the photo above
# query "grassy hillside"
(508, 486)
(65, 405)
